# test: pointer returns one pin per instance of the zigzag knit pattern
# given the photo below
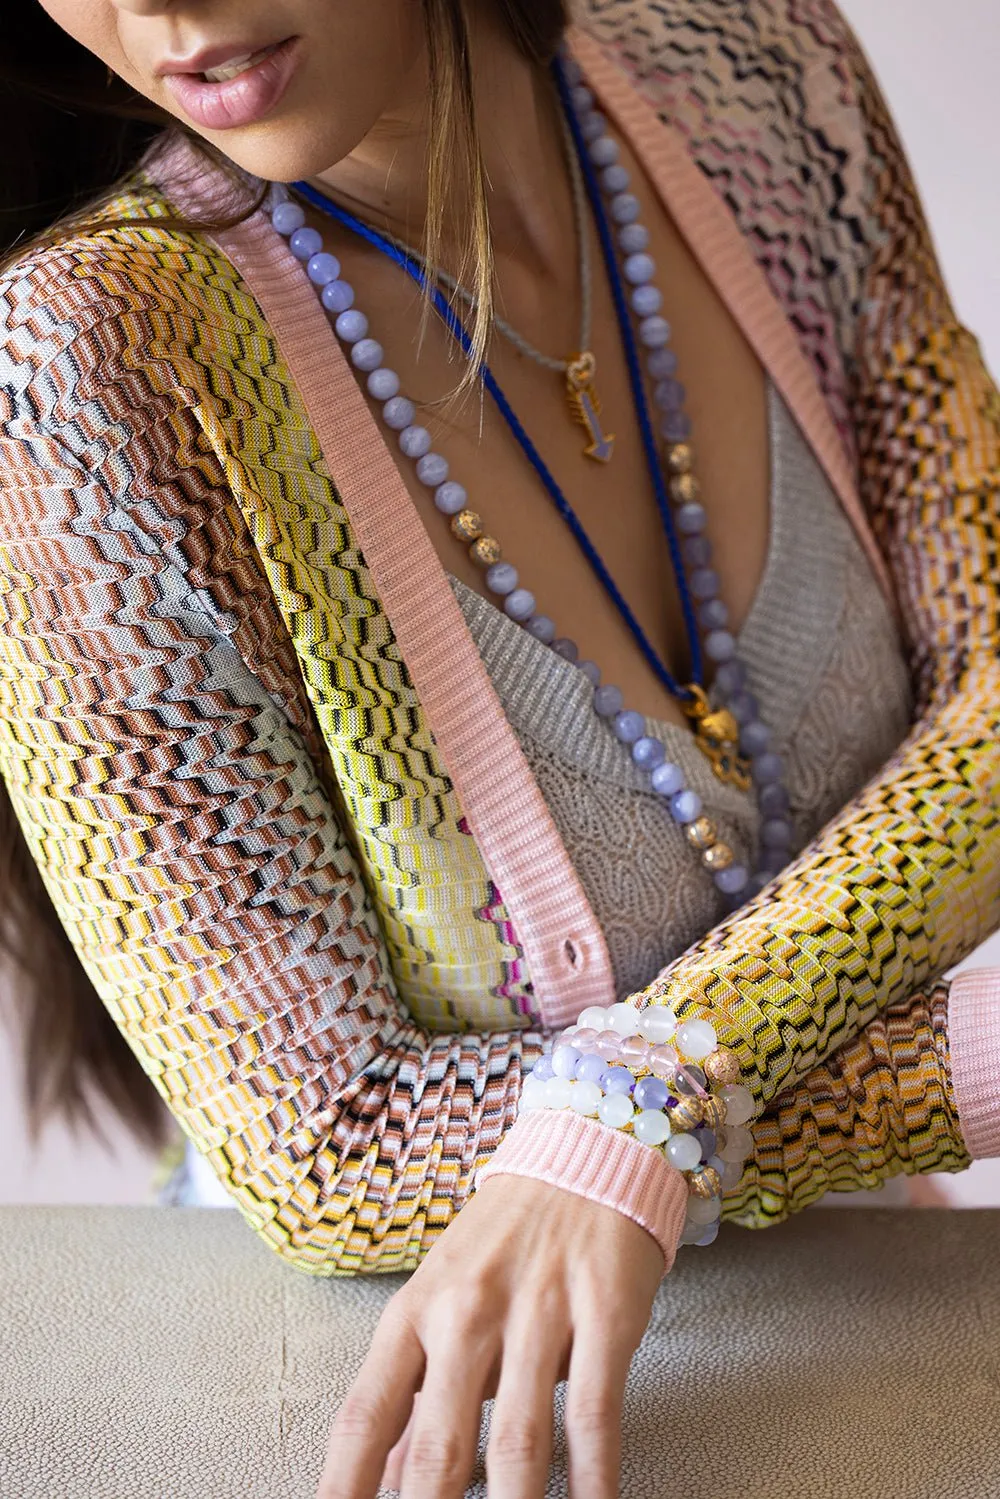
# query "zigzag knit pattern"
(906, 880)
(879, 1106)
(229, 786)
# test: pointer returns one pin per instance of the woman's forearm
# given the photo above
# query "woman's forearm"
(882, 1104)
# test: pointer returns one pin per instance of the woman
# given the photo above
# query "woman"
(302, 729)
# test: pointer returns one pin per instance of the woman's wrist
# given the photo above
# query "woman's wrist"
(579, 1155)
(668, 1084)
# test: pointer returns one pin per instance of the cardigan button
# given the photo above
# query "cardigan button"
(573, 954)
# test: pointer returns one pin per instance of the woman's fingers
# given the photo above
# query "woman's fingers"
(520, 1444)
(375, 1411)
(595, 1396)
(392, 1475)
(519, 1277)
(441, 1450)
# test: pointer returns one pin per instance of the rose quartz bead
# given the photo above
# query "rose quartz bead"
(737, 1145)
(584, 1038)
(663, 1061)
(695, 1085)
(634, 1052)
(740, 1105)
(703, 1210)
(607, 1045)
(730, 1172)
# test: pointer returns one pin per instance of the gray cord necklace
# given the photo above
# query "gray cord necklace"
(579, 369)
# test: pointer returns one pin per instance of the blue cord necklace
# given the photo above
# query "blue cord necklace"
(455, 327)
(735, 738)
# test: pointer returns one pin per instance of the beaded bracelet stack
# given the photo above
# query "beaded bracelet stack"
(668, 1083)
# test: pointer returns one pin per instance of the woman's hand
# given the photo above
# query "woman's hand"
(529, 1285)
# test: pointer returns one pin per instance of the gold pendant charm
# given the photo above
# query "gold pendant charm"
(586, 407)
(717, 734)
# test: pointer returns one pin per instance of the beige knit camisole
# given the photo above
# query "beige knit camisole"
(825, 662)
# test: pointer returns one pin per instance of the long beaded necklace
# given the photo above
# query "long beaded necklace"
(688, 543)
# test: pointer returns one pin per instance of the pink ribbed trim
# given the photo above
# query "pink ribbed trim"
(602, 1164)
(715, 239)
(510, 820)
(974, 1044)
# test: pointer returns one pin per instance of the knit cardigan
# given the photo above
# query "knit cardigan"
(272, 792)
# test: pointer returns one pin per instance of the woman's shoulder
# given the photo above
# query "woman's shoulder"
(120, 283)
(71, 262)
(729, 76)
(772, 102)
(700, 31)
(110, 327)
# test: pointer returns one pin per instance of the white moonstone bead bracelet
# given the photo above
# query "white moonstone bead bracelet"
(666, 1081)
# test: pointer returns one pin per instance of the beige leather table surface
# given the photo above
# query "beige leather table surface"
(166, 1353)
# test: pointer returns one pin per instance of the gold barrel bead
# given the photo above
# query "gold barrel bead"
(485, 551)
(680, 458)
(686, 1114)
(702, 833)
(719, 856)
(713, 1112)
(721, 1067)
(685, 488)
(705, 1182)
(467, 525)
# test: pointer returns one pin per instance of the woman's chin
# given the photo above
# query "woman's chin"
(280, 151)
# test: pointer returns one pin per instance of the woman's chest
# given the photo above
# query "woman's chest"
(823, 658)
(515, 492)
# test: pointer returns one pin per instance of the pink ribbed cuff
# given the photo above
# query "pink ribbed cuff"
(974, 1045)
(602, 1164)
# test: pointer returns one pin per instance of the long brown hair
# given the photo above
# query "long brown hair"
(80, 130)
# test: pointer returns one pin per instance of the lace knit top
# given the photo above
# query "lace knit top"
(826, 664)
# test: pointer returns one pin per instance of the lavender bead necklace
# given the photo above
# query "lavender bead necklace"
(649, 754)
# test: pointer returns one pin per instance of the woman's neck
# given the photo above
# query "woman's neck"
(384, 180)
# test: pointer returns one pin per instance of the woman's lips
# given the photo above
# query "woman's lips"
(242, 100)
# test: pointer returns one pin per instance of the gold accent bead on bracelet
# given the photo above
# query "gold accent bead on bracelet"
(713, 1113)
(680, 458)
(702, 833)
(686, 1114)
(485, 551)
(467, 525)
(705, 1182)
(721, 1067)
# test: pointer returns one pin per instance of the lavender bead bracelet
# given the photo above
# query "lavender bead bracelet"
(668, 1083)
